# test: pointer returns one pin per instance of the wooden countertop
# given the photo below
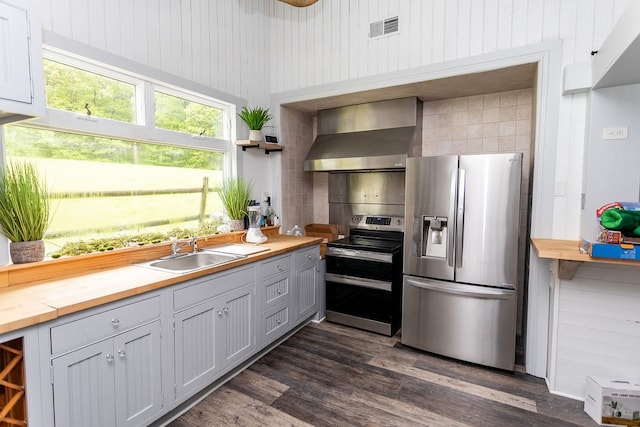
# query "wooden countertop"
(28, 304)
(569, 255)
(568, 250)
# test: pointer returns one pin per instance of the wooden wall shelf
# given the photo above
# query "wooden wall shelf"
(268, 148)
(570, 257)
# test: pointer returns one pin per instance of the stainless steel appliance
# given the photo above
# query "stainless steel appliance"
(460, 256)
(364, 275)
(371, 136)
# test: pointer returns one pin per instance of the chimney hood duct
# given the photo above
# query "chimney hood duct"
(373, 136)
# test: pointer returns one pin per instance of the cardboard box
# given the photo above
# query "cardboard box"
(612, 402)
(609, 236)
(626, 251)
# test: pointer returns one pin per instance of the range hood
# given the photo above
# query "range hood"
(373, 136)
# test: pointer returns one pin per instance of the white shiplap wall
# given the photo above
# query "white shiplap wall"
(222, 44)
(597, 327)
(328, 43)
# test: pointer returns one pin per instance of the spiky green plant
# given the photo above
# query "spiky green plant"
(24, 203)
(255, 118)
(234, 194)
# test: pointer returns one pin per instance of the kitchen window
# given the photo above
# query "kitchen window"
(123, 155)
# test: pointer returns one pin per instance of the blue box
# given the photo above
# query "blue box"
(625, 251)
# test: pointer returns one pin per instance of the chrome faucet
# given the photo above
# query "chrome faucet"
(176, 245)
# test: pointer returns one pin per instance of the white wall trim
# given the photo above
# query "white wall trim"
(548, 55)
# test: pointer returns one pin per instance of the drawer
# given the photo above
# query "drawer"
(218, 284)
(102, 325)
(276, 323)
(276, 289)
(308, 255)
(276, 265)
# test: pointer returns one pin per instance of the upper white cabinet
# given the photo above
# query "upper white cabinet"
(617, 62)
(21, 78)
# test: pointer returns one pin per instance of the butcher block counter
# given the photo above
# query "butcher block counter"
(31, 294)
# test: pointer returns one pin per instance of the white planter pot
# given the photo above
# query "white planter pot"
(255, 135)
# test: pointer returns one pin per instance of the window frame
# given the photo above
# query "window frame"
(143, 130)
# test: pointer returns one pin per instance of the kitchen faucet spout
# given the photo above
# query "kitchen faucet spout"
(176, 245)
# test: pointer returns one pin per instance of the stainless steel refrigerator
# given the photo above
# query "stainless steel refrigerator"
(461, 256)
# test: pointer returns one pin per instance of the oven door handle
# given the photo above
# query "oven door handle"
(358, 254)
(358, 281)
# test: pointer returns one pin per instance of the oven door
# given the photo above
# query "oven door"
(359, 289)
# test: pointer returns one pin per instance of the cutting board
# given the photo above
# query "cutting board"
(237, 249)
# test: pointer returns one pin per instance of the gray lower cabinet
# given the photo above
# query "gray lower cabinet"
(113, 381)
(274, 298)
(116, 365)
(214, 335)
(306, 278)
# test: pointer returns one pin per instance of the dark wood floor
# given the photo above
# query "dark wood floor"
(329, 375)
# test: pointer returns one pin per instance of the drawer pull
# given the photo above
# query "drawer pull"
(309, 256)
(122, 353)
(226, 309)
(278, 321)
(279, 267)
(109, 358)
(279, 291)
(115, 322)
(219, 312)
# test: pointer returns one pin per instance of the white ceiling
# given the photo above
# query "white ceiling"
(500, 80)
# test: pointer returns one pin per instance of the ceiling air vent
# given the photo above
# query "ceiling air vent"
(383, 27)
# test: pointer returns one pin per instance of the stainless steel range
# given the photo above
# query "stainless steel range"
(364, 274)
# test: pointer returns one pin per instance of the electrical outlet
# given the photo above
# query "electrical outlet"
(615, 133)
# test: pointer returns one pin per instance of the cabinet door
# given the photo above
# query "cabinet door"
(15, 72)
(138, 374)
(306, 292)
(83, 387)
(237, 314)
(195, 347)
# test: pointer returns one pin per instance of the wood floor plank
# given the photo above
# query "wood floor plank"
(257, 386)
(408, 413)
(227, 407)
(463, 386)
(332, 375)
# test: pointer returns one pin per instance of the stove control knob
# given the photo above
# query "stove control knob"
(398, 222)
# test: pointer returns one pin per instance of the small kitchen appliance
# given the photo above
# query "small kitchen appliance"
(254, 234)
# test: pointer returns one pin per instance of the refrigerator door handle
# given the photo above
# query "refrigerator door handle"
(461, 289)
(462, 182)
(452, 213)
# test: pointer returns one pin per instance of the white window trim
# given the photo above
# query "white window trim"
(144, 129)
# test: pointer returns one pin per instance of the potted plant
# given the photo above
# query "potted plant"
(24, 211)
(234, 194)
(255, 118)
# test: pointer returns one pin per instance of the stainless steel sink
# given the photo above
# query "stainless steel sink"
(189, 262)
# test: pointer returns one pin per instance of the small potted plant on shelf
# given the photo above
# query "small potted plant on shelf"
(24, 211)
(255, 118)
(234, 194)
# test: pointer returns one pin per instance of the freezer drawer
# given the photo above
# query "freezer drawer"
(466, 322)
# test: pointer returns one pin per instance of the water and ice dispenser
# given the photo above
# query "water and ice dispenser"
(434, 236)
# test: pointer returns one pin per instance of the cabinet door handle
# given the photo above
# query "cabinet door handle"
(279, 291)
(226, 309)
(115, 321)
(280, 267)
(219, 312)
(309, 256)
(122, 353)
(109, 358)
(278, 321)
